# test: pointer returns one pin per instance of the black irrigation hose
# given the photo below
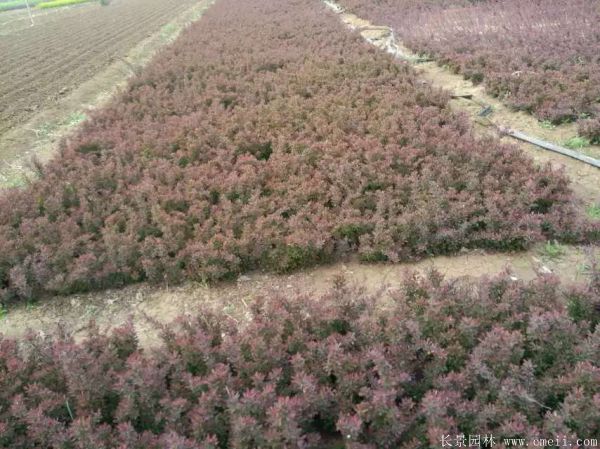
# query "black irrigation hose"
(550, 146)
(506, 131)
(533, 140)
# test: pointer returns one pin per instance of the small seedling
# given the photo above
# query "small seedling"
(3, 312)
(75, 119)
(585, 269)
(547, 124)
(168, 31)
(14, 180)
(45, 131)
(594, 211)
(553, 250)
(577, 142)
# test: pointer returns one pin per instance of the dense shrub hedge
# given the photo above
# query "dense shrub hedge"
(540, 56)
(267, 137)
(590, 129)
(431, 358)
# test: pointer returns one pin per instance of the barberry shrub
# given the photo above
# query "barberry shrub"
(399, 369)
(295, 145)
(590, 129)
(538, 56)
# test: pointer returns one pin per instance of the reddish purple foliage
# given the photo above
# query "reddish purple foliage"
(295, 144)
(590, 129)
(539, 56)
(433, 358)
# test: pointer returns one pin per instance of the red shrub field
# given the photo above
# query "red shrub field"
(496, 357)
(540, 56)
(286, 143)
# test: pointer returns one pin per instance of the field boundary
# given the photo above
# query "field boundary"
(146, 304)
(39, 138)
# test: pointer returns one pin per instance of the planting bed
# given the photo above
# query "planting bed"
(268, 137)
(431, 359)
(228, 155)
(538, 56)
(66, 47)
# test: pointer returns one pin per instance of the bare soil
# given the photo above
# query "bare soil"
(43, 62)
(72, 60)
(148, 305)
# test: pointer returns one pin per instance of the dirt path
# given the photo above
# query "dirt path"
(60, 112)
(585, 178)
(147, 304)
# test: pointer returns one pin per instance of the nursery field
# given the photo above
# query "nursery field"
(66, 47)
(270, 141)
(539, 56)
(225, 156)
(495, 357)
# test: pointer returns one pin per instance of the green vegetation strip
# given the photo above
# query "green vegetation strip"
(21, 4)
(16, 4)
(57, 3)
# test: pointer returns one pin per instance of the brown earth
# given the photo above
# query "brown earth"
(148, 305)
(46, 61)
(40, 135)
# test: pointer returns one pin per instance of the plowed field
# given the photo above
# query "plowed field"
(68, 46)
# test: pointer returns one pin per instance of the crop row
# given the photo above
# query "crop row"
(442, 359)
(293, 145)
(537, 56)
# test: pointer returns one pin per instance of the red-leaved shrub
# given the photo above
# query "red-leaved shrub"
(397, 370)
(291, 145)
(590, 129)
(540, 56)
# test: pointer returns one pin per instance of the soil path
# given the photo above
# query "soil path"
(125, 40)
(147, 304)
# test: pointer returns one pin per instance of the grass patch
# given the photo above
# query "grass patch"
(75, 119)
(16, 180)
(45, 131)
(577, 142)
(167, 31)
(7, 6)
(17, 4)
(547, 124)
(58, 3)
(553, 250)
(594, 211)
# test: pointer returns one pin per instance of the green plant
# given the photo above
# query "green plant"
(58, 3)
(75, 119)
(31, 306)
(594, 211)
(167, 31)
(577, 142)
(3, 312)
(553, 250)
(547, 124)
(16, 4)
